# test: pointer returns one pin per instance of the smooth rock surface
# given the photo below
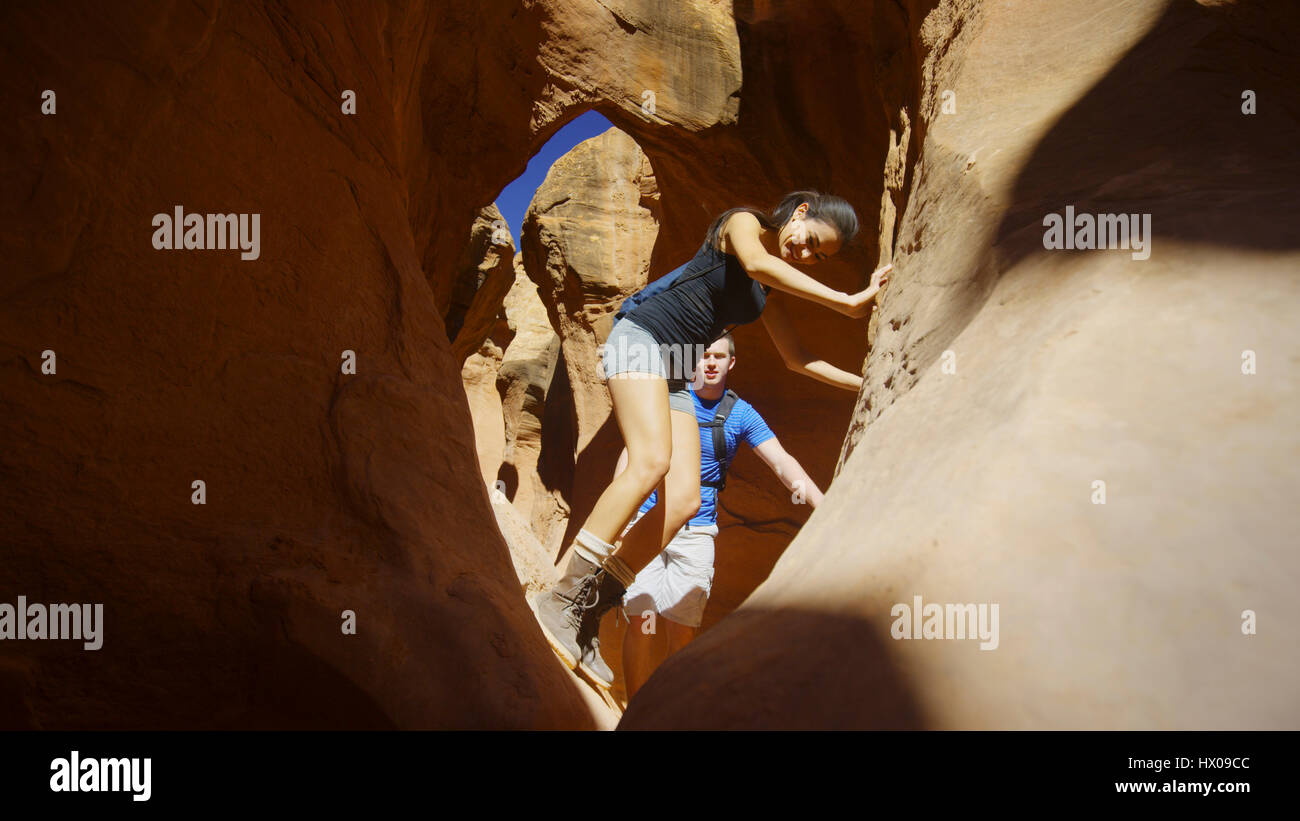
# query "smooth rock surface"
(977, 485)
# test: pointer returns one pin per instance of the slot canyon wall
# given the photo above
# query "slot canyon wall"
(324, 491)
(329, 491)
(1006, 381)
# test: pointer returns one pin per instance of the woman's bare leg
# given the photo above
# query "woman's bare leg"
(595, 579)
(641, 410)
(679, 497)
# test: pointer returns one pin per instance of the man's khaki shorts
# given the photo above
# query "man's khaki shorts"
(677, 582)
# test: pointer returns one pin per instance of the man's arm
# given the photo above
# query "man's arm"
(622, 463)
(789, 471)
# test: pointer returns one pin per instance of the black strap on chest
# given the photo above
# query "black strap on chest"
(659, 286)
(720, 414)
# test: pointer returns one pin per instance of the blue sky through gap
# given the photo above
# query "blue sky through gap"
(516, 196)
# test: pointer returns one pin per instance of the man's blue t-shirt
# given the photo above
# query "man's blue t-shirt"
(742, 423)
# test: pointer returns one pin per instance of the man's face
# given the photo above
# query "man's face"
(716, 363)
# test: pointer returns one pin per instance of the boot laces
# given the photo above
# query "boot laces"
(585, 596)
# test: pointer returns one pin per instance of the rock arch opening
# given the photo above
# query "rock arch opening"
(585, 243)
(593, 235)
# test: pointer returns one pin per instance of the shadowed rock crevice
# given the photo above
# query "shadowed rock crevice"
(863, 690)
(1206, 58)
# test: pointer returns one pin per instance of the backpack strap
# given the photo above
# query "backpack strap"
(697, 274)
(720, 414)
(633, 301)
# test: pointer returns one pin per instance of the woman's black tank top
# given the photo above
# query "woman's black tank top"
(697, 311)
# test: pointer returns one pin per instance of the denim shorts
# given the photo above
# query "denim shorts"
(631, 349)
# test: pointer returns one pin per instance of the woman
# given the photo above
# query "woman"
(746, 254)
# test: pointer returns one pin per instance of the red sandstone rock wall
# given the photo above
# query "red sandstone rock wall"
(483, 278)
(324, 491)
(329, 491)
(1006, 380)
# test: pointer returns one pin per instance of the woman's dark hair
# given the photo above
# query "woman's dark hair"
(827, 208)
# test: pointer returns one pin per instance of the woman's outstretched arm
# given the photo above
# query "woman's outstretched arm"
(797, 357)
(741, 232)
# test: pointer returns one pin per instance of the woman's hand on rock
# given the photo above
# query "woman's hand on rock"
(880, 278)
(864, 302)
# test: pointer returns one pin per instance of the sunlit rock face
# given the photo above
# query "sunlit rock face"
(969, 478)
(1088, 440)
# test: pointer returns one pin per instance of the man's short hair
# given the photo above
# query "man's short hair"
(731, 343)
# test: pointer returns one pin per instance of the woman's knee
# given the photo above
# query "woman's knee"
(649, 466)
(682, 505)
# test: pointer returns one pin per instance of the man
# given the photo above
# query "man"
(665, 604)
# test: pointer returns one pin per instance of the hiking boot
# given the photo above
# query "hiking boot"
(593, 665)
(608, 594)
(566, 611)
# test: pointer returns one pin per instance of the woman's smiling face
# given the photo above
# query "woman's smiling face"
(806, 241)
